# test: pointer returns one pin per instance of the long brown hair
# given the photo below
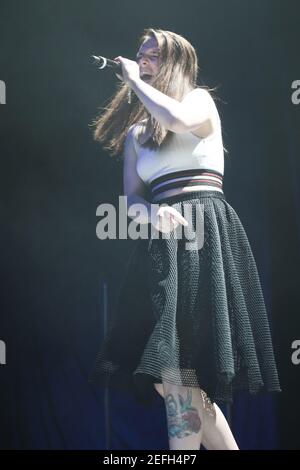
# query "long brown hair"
(177, 76)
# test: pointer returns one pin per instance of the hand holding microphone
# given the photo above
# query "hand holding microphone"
(128, 70)
(103, 62)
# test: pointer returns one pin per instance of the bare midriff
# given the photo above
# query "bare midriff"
(175, 191)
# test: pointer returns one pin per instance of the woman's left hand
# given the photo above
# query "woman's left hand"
(130, 69)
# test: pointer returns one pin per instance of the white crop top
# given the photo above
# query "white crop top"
(185, 151)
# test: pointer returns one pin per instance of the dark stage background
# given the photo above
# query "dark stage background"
(53, 177)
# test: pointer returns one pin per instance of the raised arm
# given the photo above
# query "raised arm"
(196, 112)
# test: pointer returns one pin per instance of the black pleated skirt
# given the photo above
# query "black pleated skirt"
(190, 310)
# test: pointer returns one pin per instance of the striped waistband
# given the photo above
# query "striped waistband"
(193, 177)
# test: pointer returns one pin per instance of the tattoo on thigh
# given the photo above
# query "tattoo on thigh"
(183, 420)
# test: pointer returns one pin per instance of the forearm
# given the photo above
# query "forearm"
(160, 106)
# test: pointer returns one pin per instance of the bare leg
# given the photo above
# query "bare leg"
(216, 433)
(184, 416)
(159, 388)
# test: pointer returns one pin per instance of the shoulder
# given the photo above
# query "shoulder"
(200, 98)
(135, 128)
(138, 132)
(199, 94)
(197, 113)
(132, 133)
(131, 130)
(200, 91)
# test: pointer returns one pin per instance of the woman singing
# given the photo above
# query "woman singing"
(190, 321)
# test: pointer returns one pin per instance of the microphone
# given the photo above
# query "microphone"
(102, 62)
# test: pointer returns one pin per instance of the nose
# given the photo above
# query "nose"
(143, 60)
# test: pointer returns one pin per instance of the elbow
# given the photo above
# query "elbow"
(181, 124)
